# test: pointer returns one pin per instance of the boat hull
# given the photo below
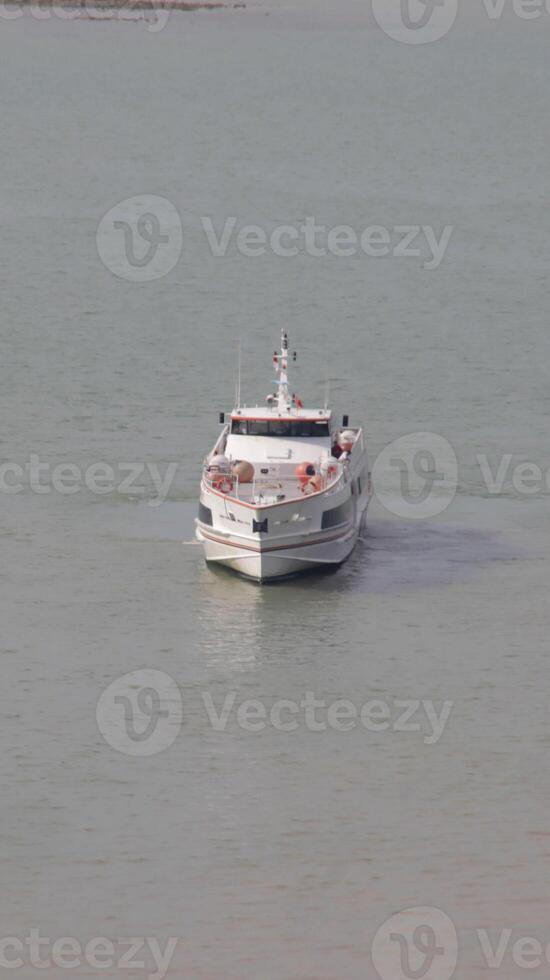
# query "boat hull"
(275, 563)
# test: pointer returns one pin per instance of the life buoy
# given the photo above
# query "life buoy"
(222, 482)
(314, 485)
(304, 472)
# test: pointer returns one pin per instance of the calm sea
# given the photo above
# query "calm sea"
(273, 854)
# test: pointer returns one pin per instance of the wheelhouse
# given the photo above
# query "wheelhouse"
(292, 428)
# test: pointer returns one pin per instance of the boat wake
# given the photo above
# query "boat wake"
(393, 555)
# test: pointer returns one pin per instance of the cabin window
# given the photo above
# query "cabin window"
(205, 515)
(338, 515)
(283, 428)
(257, 427)
(279, 428)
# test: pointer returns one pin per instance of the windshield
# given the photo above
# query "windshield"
(287, 428)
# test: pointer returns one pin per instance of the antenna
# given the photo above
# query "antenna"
(327, 378)
(238, 384)
(283, 400)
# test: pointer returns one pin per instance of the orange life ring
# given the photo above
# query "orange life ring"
(222, 482)
(304, 472)
(313, 485)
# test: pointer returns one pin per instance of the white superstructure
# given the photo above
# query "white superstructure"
(284, 489)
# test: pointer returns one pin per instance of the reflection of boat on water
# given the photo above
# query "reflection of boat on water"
(234, 628)
(283, 490)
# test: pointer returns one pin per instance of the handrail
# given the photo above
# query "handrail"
(275, 483)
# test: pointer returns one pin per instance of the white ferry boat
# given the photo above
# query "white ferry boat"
(284, 489)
